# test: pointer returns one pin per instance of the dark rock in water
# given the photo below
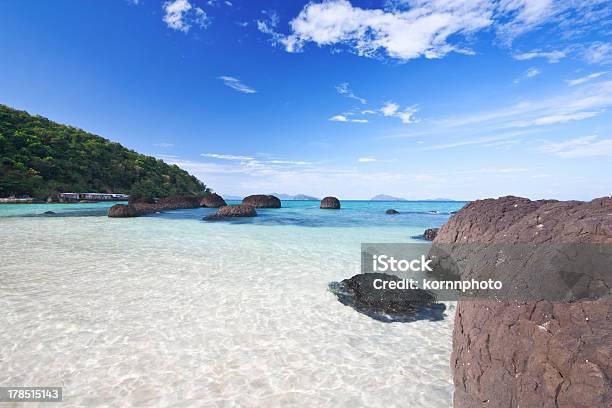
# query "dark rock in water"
(122, 211)
(49, 212)
(387, 305)
(331, 203)
(212, 200)
(262, 201)
(392, 211)
(430, 234)
(536, 352)
(228, 211)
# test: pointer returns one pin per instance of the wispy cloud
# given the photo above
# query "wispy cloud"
(344, 90)
(530, 73)
(345, 118)
(588, 146)
(599, 53)
(554, 119)
(582, 80)
(553, 57)
(181, 15)
(226, 156)
(235, 84)
(366, 159)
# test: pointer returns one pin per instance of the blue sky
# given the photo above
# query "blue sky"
(413, 98)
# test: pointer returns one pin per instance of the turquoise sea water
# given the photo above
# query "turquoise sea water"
(170, 310)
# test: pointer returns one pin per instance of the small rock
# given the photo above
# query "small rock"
(430, 234)
(392, 211)
(228, 211)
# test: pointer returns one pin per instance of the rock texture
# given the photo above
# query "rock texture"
(391, 211)
(331, 203)
(237, 210)
(143, 207)
(212, 200)
(262, 201)
(531, 353)
(430, 234)
(388, 305)
(122, 211)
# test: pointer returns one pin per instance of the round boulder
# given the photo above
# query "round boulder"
(235, 210)
(391, 211)
(330, 203)
(122, 211)
(262, 201)
(430, 234)
(212, 200)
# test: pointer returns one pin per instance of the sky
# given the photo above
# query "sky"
(418, 99)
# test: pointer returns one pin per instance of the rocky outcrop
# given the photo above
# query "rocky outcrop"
(330, 203)
(534, 351)
(122, 211)
(430, 234)
(229, 211)
(212, 200)
(262, 201)
(143, 207)
(141, 200)
(384, 303)
(391, 211)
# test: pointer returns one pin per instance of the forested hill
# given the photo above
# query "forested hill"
(39, 157)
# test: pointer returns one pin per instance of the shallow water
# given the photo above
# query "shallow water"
(169, 310)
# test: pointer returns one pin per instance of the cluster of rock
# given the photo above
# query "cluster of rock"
(531, 352)
(137, 207)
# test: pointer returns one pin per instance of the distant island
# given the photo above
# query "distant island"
(41, 158)
(294, 197)
(384, 197)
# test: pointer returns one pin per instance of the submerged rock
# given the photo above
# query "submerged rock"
(262, 201)
(330, 203)
(387, 305)
(49, 212)
(229, 211)
(212, 200)
(122, 211)
(391, 211)
(430, 233)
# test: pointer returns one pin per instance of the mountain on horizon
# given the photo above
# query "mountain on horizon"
(385, 197)
(284, 196)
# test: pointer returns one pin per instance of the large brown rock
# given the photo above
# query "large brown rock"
(532, 352)
(122, 211)
(331, 203)
(262, 201)
(235, 210)
(212, 200)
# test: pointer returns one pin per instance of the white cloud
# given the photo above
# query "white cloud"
(588, 146)
(366, 159)
(344, 118)
(554, 119)
(368, 112)
(344, 90)
(227, 156)
(181, 15)
(339, 118)
(599, 53)
(235, 83)
(406, 116)
(421, 31)
(552, 56)
(582, 80)
(530, 73)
